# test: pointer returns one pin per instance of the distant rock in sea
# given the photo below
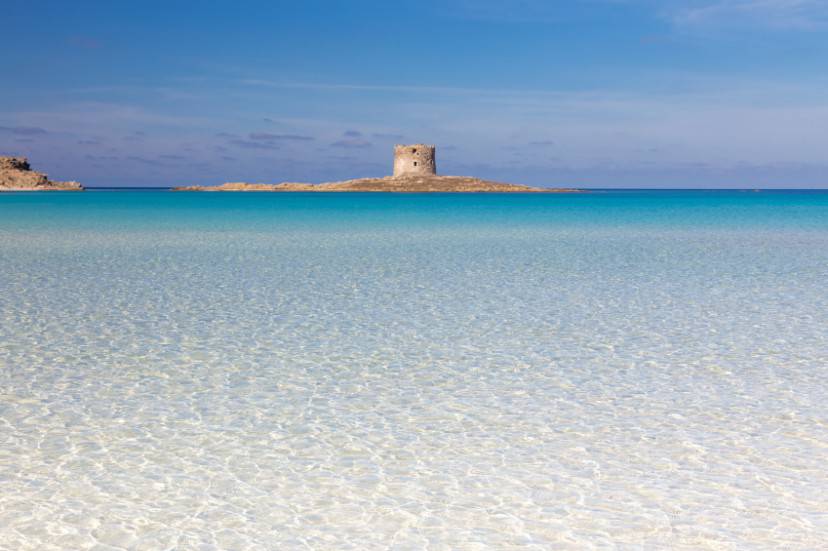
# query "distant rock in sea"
(402, 184)
(415, 171)
(17, 175)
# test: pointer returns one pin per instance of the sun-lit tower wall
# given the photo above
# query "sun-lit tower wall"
(414, 160)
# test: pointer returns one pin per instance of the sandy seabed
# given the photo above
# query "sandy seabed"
(427, 387)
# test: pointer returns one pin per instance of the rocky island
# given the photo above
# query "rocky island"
(404, 184)
(415, 171)
(17, 175)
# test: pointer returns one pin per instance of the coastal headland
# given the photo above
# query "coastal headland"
(17, 175)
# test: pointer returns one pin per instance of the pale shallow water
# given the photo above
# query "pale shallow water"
(637, 370)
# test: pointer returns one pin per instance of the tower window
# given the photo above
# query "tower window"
(413, 150)
(415, 163)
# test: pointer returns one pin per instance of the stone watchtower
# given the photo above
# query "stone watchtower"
(414, 160)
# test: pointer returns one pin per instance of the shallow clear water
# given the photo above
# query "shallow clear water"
(262, 371)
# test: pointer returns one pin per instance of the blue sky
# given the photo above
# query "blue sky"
(591, 93)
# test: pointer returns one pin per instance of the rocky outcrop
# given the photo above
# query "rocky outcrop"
(409, 184)
(415, 171)
(14, 163)
(17, 175)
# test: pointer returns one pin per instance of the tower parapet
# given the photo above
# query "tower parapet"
(414, 160)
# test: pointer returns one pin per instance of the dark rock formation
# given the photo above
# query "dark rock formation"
(14, 163)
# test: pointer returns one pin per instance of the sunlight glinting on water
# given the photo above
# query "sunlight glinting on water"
(194, 372)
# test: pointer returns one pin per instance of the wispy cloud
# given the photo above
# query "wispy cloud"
(352, 139)
(383, 136)
(362, 87)
(699, 117)
(98, 158)
(136, 136)
(268, 137)
(91, 115)
(776, 14)
(780, 14)
(23, 130)
(143, 160)
(250, 144)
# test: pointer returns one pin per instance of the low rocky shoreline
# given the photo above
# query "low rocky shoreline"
(17, 175)
(388, 184)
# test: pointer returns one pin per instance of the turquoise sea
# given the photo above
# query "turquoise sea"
(608, 370)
